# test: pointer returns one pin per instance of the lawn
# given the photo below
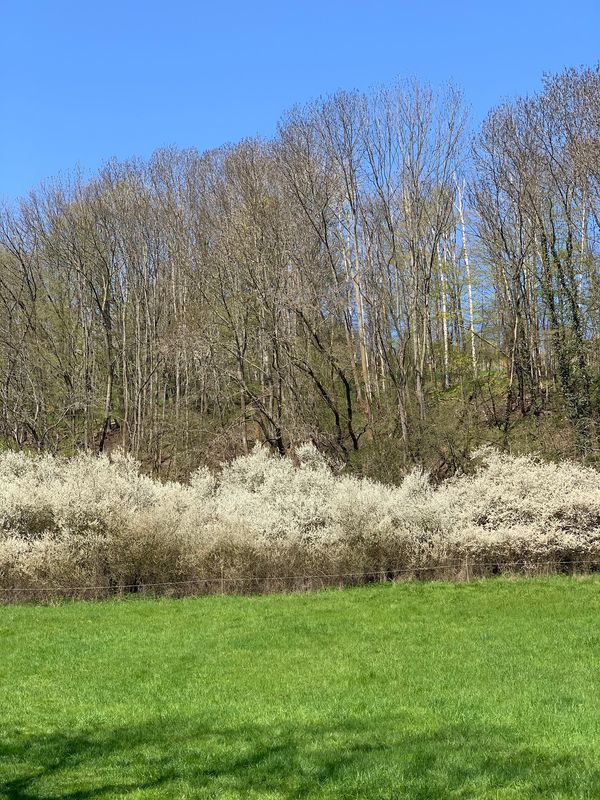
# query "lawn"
(416, 690)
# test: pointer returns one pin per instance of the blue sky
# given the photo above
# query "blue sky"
(84, 81)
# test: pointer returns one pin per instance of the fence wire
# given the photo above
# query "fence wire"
(367, 576)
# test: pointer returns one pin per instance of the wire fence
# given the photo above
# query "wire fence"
(457, 569)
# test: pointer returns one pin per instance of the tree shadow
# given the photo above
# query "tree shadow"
(372, 758)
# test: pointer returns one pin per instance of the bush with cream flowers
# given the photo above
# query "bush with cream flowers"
(91, 527)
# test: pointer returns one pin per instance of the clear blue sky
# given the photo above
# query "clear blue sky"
(83, 81)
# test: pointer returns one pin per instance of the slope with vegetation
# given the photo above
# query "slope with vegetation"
(366, 280)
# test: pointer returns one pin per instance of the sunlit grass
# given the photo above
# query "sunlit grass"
(483, 690)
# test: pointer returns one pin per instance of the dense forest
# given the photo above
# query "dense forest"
(376, 279)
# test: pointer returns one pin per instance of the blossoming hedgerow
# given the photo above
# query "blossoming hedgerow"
(264, 522)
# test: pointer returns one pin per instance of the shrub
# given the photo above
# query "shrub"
(264, 522)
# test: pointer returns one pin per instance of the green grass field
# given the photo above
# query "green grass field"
(481, 690)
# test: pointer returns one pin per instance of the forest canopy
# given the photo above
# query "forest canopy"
(374, 279)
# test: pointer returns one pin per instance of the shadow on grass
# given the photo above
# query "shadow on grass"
(376, 758)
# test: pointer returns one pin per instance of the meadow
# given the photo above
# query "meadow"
(483, 689)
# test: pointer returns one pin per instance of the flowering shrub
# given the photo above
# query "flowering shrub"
(264, 522)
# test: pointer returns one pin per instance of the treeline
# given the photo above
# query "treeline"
(371, 280)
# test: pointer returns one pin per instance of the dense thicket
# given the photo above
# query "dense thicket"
(366, 280)
(89, 527)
